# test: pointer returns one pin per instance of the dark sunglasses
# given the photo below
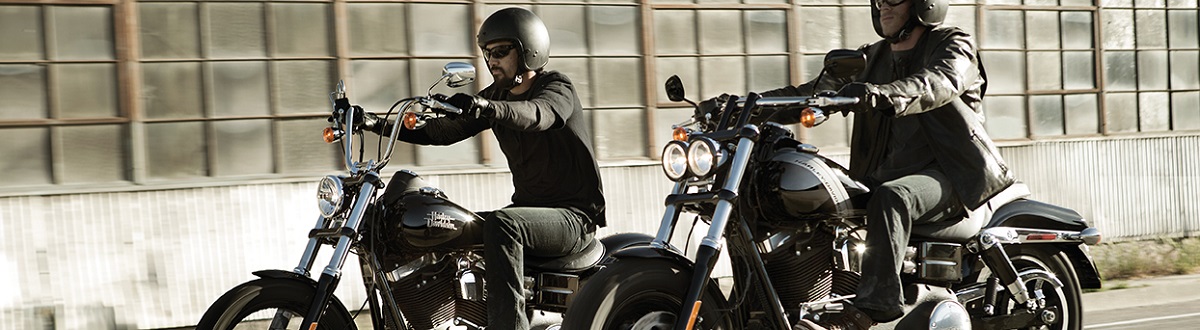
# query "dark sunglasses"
(890, 3)
(498, 52)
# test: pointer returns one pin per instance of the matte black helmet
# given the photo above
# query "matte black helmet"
(524, 29)
(929, 13)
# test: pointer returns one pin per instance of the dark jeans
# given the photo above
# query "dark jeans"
(512, 233)
(895, 206)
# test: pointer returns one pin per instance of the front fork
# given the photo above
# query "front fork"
(347, 235)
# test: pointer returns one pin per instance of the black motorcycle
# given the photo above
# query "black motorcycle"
(794, 225)
(422, 267)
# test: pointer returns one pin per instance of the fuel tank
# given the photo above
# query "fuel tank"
(807, 183)
(423, 215)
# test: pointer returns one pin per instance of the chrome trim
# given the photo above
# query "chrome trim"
(949, 315)
(310, 251)
(343, 245)
(1020, 235)
(663, 238)
(720, 218)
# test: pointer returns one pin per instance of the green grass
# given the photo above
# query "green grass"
(1158, 257)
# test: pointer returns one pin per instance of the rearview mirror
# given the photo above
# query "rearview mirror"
(675, 89)
(845, 63)
(458, 74)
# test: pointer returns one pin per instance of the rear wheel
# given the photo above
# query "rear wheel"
(639, 294)
(270, 304)
(1063, 309)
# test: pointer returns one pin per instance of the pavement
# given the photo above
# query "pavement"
(1123, 294)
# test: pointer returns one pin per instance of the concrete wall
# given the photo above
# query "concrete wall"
(157, 258)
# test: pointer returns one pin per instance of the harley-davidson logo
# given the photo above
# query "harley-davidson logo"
(440, 220)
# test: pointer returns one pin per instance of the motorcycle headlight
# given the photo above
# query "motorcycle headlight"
(703, 156)
(329, 195)
(674, 160)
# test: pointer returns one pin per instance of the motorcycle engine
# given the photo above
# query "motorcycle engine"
(801, 269)
(429, 297)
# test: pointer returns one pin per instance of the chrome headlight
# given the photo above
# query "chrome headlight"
(674, 160)
(330, 195)
(703, 156)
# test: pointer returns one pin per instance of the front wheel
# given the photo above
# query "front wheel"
(640, 294)
(271, 303)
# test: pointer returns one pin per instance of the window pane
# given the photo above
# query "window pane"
(675, 32)
(1044, 73)
(962, 17)
(175, 150)
(1005, 116)
(1155, 111)
(93, 153)
(1043, 27)
(242, 147)
(239, 89)
(686, 69)
(87, 90)
(1184, 71)
(1077, 30)
(568, 34)
(24, 91)
(1047, 114)
(1078, 70)
(722, 74)
(31, 146)
(1185, 108)
(1151, 28)
(1003, 29)
(377, 29)
(1149, 3)
(21, 30)
(1182, 28)
(1120, 70)
(1122, 112)
(811, 67)
(1077, 2)
(620, 133)
(236, 30)
(1181, 3)
(465, 152)
(302, 29)
(1010, 79)
(375, 85)
(303, 86)
(615, 30)
(618, 82)
(859, 31)
(433, 36)
(169, 30)
(303, 151)
(767, 72)
(577, 70)
(1116, 3)
(720, 32)
(1152, 70)
(1117, 31)
(172, 90)
(767, 31)
(83, 33)
(821, 28)
(1082, 114)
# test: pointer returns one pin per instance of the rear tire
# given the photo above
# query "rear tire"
(1066, 298)
(253, 304)
(640, 294)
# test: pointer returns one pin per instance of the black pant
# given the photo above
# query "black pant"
(894, 207)
(510, 234)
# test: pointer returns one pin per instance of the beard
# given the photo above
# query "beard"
(505, 81)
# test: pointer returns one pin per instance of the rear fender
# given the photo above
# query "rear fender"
(1027, 213)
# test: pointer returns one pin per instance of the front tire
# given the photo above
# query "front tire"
(271, 303)
(640, 294)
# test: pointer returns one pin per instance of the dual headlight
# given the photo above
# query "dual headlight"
(330, 195)
(698, 158)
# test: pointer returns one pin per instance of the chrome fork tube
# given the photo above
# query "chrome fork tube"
(737, 170)
(310, 252)
(670, 216)
(343, 245)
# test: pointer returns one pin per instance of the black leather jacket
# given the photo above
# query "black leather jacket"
(945, 91)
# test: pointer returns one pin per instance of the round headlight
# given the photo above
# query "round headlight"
(329, 195)
(674, 160)
(703, 156)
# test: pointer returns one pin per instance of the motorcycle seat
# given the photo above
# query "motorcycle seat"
(963, 228)
(590, 256)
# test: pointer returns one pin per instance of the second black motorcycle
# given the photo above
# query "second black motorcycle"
(793, 224)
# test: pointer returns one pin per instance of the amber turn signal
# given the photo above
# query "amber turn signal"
(411, 121)
(679, 134)
(331, 135)
(808, 117)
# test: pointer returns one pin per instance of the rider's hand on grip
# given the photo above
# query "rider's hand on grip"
(372, 123)
(870, 98)
(712, 107)
(472, 106)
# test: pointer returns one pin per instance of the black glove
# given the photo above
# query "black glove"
(712, 107)
(868, 94)
(472, 106)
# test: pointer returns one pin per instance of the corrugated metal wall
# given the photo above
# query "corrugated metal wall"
(156, 259)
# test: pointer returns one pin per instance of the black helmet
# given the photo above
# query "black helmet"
(524, 29)
(929, 13)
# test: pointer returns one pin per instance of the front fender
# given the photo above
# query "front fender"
(648, 252)
(617, 242)
(335, 304)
